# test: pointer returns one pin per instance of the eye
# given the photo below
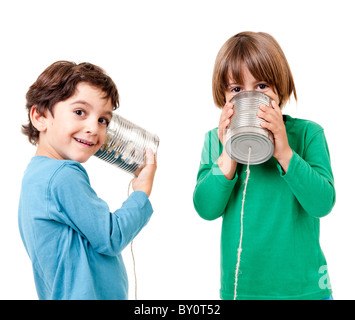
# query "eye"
(104, 121)
(262, 86)
(80, 112)
(236, 89)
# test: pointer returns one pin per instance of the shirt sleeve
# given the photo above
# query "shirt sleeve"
(78, 206)
(310, 177)
(213, 189)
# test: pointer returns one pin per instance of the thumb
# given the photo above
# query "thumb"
(150, 158)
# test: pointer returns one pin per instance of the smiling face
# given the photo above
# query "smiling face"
(77, 128)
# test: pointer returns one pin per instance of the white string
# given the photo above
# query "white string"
(134, 262)
(241, 228)
(135, 275)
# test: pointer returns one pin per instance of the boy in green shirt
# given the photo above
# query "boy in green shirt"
(286, 196)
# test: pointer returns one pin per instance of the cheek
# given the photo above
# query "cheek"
(102, 136)
(228, 96)
(274, 96)
(276, 99)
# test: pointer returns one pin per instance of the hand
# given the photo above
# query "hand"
(145, 176)
(225, 163)
(225, 120)
(274, 122)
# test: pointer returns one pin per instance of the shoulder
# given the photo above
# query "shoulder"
(213, 132)
(45, 179)
(212, 147)
(69, 172)
(69, 168)
(43, 169)
(69, 184)
(46, 171)
(211, 136)
(306, 128)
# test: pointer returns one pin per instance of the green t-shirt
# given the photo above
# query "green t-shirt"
(281, 256)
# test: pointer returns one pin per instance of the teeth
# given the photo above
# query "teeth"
(79, 140)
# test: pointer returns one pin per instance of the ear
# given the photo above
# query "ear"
(38, 121)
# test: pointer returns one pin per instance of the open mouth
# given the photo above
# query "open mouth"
(85, 142)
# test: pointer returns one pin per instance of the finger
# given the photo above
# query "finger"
(228, 106)
(264, 107)
(225, 119)
(227, 113)
(149, 167)
(266, 125)
(224, 124)
(268, 113)
(269, 126)
(265, 114)
(150, 158)
(222, 129)
(271, 122)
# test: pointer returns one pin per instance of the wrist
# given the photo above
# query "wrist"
(227, 165)
(285, 159)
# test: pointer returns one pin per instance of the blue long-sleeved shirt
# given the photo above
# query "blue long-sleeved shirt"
(72, 239)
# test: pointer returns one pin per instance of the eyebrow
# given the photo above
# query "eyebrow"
(233, 84)
(108, 113)
(240, 84)
(82, 102)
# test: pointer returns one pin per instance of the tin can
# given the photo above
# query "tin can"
(125, 144)
(245, 130)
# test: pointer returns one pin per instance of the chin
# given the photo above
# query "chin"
(80, 159)
(83, 159)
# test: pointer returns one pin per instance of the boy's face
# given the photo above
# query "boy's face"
(250, 84)
(78, 126)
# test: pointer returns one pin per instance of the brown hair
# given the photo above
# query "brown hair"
(58, 83)
(264, 58)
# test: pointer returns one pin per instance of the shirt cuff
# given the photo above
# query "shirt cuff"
(291, 167)
(141, 198)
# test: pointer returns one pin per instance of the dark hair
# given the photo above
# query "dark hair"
(58, 82)
(264, 58)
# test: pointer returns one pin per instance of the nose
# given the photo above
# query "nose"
(91, 126)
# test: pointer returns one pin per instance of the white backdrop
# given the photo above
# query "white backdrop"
(161, 56)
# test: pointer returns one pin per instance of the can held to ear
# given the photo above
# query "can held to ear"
(125, 144)
(245, 130)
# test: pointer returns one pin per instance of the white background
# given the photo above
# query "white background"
(161, 56)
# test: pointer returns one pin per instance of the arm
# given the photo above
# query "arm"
(224, 162)
(78, 206)
(310, 178)
(213, 189)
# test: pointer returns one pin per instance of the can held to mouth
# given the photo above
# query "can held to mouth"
(245, 130)
(125, 144)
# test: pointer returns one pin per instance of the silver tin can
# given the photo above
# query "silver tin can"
(245, 130)
(125, 144)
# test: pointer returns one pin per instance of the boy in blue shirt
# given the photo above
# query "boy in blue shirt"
(71, 237)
